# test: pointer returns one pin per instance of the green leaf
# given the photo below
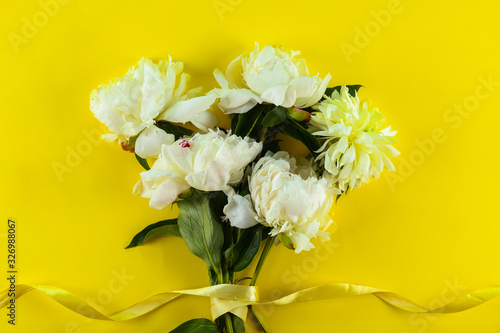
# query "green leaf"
(200, 325)
(217, 202)
(228, 245)
(242, 279)
(246, 248)
(353, 89)
(275, 117)
(177, 131)
(162, 228)
(201, 231)
(228, 253)
(238, 324)
(296, 131)
(234, 121)
(248, 120)
(142, 162)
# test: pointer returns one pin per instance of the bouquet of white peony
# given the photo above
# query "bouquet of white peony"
(236, 190)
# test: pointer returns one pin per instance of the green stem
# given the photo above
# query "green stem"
(227, 315)
(265, 252)
(263, 256)
(229, 323)
(264, 135)
(220, 277)
(257, 319)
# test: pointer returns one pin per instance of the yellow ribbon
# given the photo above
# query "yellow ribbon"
(235, 298)
(218, 294)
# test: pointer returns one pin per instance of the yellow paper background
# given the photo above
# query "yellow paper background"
(430, 234)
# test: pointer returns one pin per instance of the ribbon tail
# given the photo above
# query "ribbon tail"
(337, 290)
(147, 305)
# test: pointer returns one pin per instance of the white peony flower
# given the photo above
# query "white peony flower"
(131, 105)
(357, 146)
(273, 75)
(207, 162)
(288, 197)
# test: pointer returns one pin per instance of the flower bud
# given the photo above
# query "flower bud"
(298, 114)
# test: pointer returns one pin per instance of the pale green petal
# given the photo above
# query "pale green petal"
(234, 74)
(305, 87)
(318, 93)
(221, 80)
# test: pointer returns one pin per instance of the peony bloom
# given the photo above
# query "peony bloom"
(149, 92)
(207, 162)
(357, 146)
(288, 197)
(273, 75)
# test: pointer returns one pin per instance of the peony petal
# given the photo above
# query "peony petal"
(212, 178)
(109, 137)
(237, 100)
(153, 92)
(264, 56)
(301, 242)
(283, 95)
(241, 212)
(242, 108)
(205, 120)
(221, 80)
(149, 142)
(132, 127)
(176, 158)
(234, 73)
(305, 86)
(181, 88)
(318, 94)
(106, 114)
(184, 111)
(167, 193)
(149, 182)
